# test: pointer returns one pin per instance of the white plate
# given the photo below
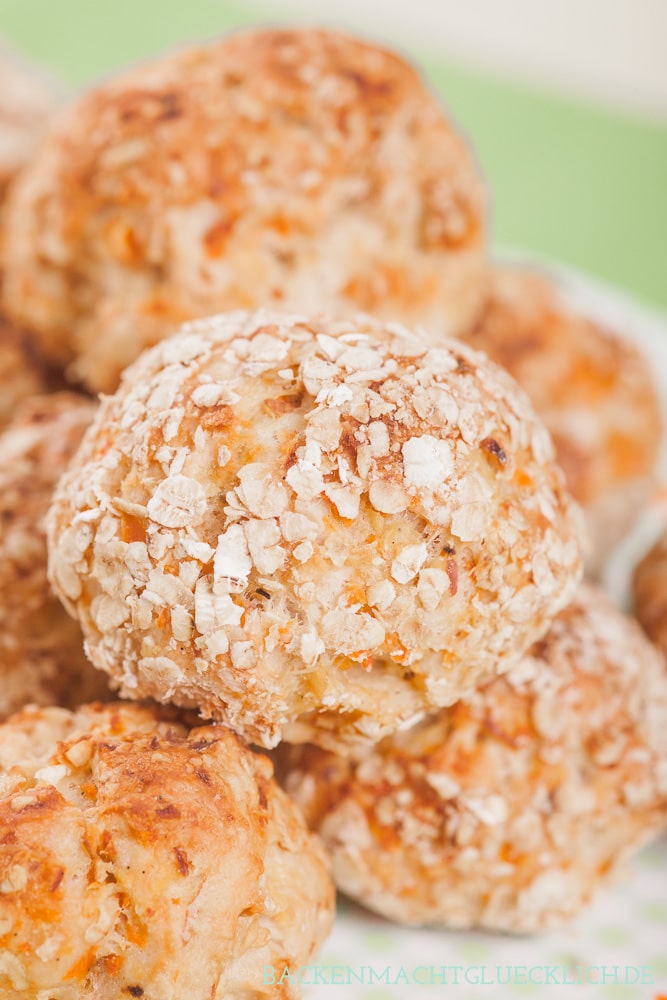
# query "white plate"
(367, 958)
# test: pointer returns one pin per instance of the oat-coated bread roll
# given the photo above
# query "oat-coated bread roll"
(650, 593)
(298, 168)
(299, 524)
(507, 810)
(142, 858)
(593, 389)
(41, 648)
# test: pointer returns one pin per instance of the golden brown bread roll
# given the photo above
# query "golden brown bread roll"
(41, 648)
(507, 810)
(298, 168)
(142, 858)
(593, 390)
(311, 525)
(650, 593)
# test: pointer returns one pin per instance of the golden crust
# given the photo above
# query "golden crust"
(140, 857)
(301, 168)
(41, 648)
(650, 593)
(316, 525)
(507, 810)
(593, 390)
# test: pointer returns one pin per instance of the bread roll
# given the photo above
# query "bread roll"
(594, 391)
(297, 168)
(509, 809)
(312, 527)
(142, 858)
(41, 648)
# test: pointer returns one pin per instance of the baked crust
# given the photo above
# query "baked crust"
(41, 648)
(314, 528)
(298, 168)
(594, 391)
(140, 857)
(507, 810)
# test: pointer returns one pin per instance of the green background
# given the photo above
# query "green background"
(580, 184)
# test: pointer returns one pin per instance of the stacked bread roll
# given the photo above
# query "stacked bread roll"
(307, 515)
(594, 391)
(41, 648)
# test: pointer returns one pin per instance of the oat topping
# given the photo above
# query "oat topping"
(426, 461)
(178, 501)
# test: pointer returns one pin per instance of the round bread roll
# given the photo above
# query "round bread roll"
(593, 390)
(650, 593)
(142, 858)
(20, 375)
(507, 810)
(314, 523)
(299, 168)
(41, 648)
(27, 100)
